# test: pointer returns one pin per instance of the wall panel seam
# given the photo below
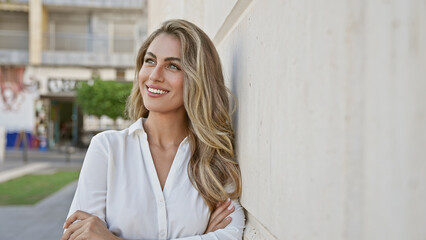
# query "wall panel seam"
(239, 10)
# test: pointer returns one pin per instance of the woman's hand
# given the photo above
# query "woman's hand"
(87, 227)
(220, 217)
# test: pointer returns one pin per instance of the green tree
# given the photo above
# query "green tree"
(103, 98)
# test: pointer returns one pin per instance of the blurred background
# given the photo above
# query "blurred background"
(331, 118)
(66, 68)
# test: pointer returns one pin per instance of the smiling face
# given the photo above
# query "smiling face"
(161, 76)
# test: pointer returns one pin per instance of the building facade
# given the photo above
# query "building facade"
(47, 47)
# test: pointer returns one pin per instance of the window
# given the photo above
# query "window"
(13, 30)
(123, 34)
(120, 74)
(68, 32)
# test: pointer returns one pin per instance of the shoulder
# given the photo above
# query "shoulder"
(110, 137)
(113, 140)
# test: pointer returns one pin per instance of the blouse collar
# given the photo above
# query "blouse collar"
(136, 126)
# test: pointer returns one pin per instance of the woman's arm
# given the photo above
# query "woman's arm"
(92, 227)
(232, 231)
(90, 195)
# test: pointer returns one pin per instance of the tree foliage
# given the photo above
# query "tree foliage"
(103, 98)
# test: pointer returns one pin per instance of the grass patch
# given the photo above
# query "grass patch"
(30, 189)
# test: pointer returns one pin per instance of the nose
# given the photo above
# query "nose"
(157, 74)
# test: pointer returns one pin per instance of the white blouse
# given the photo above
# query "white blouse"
(119, 184)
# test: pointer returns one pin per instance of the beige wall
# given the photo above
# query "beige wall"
(331, 124)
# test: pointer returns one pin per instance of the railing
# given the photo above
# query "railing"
(14, 1)
(13, 40)
(73, 42)
(98, 3)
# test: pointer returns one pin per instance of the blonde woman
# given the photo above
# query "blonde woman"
(172, 174)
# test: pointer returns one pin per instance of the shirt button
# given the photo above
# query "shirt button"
(163, 233)
(161, 203)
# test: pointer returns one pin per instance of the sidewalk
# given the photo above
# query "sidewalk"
(14, 165)
(43, 220)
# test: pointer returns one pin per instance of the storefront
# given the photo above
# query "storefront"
(59, 118)
(42, 121)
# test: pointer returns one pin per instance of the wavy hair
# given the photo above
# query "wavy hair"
(212, 168)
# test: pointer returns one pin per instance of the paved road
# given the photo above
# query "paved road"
(44, 220)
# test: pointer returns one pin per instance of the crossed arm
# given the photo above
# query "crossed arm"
(82, 225)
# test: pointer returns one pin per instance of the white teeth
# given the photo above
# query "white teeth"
(158, 91)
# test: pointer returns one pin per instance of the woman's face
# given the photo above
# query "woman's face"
(161, 76)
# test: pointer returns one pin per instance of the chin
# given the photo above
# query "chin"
(163, 109)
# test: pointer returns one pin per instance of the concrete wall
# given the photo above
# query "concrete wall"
(21, 116)
(331, 123)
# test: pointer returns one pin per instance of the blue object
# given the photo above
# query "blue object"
(11, 138)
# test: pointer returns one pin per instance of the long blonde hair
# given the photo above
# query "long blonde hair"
(212, 168)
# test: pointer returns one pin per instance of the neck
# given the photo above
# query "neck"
(166, 130)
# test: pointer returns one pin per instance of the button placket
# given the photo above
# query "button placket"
(163, 233)
(161, 204)
(162, 218)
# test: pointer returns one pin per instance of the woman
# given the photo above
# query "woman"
(171, 174)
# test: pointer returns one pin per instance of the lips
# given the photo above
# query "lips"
(155, 90)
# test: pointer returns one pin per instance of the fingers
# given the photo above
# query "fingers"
(84, 224)
(78, 215)
(220, 208)
(222, 211)
(223, 223)
(73, 228)
(220, 217)
(75, 233)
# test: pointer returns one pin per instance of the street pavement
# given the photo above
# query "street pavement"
(44, 220)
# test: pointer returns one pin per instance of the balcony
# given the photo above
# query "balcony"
(13, 47)
(88, 50)
(14, 1)
(127, 4)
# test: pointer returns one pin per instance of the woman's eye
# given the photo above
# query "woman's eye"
(149, 61)
(174, 67)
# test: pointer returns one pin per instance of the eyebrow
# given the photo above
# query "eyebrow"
(167, 59)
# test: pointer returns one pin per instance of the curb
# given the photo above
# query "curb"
(21, 171)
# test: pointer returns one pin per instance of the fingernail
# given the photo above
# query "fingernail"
(63, 226)
(230, 207)
(228, 200)
(228, 218)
